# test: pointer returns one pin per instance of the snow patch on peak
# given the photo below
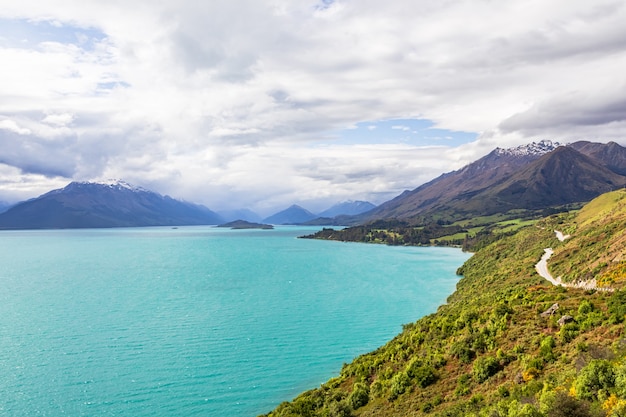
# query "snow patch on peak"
(116, 183)
(534, 148)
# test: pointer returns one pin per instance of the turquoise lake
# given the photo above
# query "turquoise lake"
(196, 321)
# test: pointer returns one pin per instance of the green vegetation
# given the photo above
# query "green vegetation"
(489, 351)
(595, 250)
(466, 234)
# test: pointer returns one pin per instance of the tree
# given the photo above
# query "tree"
(597, 375)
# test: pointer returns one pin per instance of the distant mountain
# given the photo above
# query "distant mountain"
(242, 214)
(611, 155)
(4, 206)
(533, 177)
(349, 208)
(292, 215)
(95, 205)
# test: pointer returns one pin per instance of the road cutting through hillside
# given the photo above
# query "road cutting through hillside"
(542, 269)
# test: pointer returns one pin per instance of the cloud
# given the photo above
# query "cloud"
(13, 127)
(59, 120)
(232, 104)
(570, 112)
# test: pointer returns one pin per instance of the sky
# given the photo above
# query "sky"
(261, 104)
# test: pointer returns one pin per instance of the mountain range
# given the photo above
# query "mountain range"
(529, 177)
(118, 204)
(296, 214)
(114, 204)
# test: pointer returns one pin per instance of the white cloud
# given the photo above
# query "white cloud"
(60, 120)
(225, 103)
(12, 126)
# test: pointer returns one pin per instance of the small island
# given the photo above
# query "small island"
(242, 224)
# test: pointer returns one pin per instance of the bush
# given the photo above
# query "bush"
(597, 375)
(617, 306)
(462, 385)
(547, 344)
(360, 395)
(462, 352)
(399, 384)
(484, 368)
(620, 381)
(568, 332)
(559, 404)
(339, 409)
(585, 307)
(423, 375)
(377, 389)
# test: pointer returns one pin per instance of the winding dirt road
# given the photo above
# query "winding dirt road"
(542, 269)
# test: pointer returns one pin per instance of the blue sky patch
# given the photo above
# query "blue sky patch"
(418, 132)
(28, 34)
(324, 4)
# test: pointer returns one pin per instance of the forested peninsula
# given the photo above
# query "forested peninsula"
(508, 342)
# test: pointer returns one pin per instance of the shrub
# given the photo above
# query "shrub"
(585, 307)
(399, 384)
(339, 409)
(462, 352)
(568, 332)
(462, 385)
(617, 305)
(484, 368)
(359, 396)
(560, 404)
(620, 380)
(377, 389)
(545, 348)
(597, 375)
(423, 375)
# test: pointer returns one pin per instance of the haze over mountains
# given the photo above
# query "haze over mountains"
(531, 177)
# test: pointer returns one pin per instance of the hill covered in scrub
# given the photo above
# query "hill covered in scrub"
(507, 343)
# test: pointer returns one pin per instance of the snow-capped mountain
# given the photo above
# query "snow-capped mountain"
(531, 177)
(109, 204)
(531, 149)
(119, 184)
(112, 184)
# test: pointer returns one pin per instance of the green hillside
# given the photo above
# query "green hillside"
(490, 351)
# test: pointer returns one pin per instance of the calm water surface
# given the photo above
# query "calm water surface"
(196, 321)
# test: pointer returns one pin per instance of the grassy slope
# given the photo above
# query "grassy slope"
(596, 247)
(489, 351)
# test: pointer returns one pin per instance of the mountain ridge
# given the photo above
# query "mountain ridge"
(347, 208)
(487, 185)
(101, 205)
